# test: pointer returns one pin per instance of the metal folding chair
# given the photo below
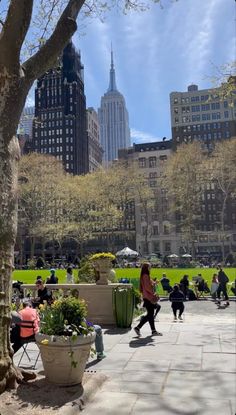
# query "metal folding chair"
(25, 341)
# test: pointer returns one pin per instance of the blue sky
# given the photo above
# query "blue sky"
(157, 52)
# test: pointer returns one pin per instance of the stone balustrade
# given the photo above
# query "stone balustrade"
(97, 297)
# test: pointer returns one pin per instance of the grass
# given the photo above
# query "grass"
(174, 274)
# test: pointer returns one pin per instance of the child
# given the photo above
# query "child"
(214, 286)
(177, 298)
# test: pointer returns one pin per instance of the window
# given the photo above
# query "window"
(142, 162)
(215, 106)
(205, 107)
(155, 230)
(152, 183)
(152, 161)
(206, 117)
(195, 108)
(195, 118)
(166, 229)
(167, 247)
(226, 114)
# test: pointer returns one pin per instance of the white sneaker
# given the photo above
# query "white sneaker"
(181, 318)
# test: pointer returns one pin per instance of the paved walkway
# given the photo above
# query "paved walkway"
(189, 370)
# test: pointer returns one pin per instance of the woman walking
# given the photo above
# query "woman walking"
(149, 300)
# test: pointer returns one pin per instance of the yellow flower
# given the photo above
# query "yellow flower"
(45, 341)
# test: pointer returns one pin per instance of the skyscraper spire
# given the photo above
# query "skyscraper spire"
(112, 83)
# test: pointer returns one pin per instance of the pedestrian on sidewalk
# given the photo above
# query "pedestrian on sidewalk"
(222, 279)
(177, 299)
(149, 300)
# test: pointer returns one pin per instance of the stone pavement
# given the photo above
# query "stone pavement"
(189, 370)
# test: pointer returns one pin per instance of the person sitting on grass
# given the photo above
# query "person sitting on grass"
(165, 282)
(177, 299)
(52, 279)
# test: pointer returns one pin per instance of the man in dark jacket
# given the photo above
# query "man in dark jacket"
(222, 279)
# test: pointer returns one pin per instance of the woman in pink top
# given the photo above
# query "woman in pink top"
(149, 300)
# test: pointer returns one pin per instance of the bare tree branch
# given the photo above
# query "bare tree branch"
(48, 53)
(14, 30)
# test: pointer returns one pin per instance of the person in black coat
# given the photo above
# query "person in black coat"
(177, 299)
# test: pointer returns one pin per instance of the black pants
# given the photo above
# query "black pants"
(222, 287)
(149, 317)
(16, 339)
(177, 306)
(157, 309)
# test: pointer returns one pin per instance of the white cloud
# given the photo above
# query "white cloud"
(138, 136)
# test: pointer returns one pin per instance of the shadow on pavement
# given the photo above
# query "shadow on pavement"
(141, 341)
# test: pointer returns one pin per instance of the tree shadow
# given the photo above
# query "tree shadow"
(42, 394)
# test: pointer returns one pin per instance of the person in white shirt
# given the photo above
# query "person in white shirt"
(69, 276)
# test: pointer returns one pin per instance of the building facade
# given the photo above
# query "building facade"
(95, 150)
(155, 225)
(113, 120)
(205, 115)
(59, 126)
(26, 122)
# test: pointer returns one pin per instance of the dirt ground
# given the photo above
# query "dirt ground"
(40, 397)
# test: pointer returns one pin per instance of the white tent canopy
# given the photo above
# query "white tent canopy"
(173, 256)
(127, 252)
(186, 256)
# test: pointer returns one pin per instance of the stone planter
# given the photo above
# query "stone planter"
(103, 267)
(64, 359)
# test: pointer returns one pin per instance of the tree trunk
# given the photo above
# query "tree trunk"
(32, 247)
(9, 154)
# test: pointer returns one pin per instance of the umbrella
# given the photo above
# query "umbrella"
(127, 252)
(186, 256)
(173, 256)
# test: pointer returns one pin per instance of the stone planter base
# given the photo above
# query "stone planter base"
(58, 354)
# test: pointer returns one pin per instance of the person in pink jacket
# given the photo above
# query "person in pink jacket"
(149, 300)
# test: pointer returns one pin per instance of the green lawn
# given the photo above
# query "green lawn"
(174, 274)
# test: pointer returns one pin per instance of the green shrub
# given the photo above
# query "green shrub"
(86, 272)
(66, 316)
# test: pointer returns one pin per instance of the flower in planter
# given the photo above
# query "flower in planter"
(103, 255)
(65, 317)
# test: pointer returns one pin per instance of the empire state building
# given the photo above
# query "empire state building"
(114, 120)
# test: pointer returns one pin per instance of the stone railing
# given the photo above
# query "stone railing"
(97, 297)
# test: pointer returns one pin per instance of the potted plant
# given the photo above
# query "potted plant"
(65, 340)
(102, 263)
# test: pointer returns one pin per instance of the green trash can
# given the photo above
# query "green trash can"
(123, 306)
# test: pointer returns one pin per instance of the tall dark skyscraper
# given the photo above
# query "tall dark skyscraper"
(59, 126)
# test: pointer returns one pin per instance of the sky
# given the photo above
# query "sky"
(156, 52)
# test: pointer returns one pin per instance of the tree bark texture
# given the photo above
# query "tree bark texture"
(15, 82)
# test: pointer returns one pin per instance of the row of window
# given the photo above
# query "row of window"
(57, 149)
(197, 98)
(53, 132)
(198, 108)
(201, 117)
(151, 161)
(204, 137)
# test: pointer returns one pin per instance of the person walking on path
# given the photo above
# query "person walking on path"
(149, 300)
(177, 299)
(222, 279)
